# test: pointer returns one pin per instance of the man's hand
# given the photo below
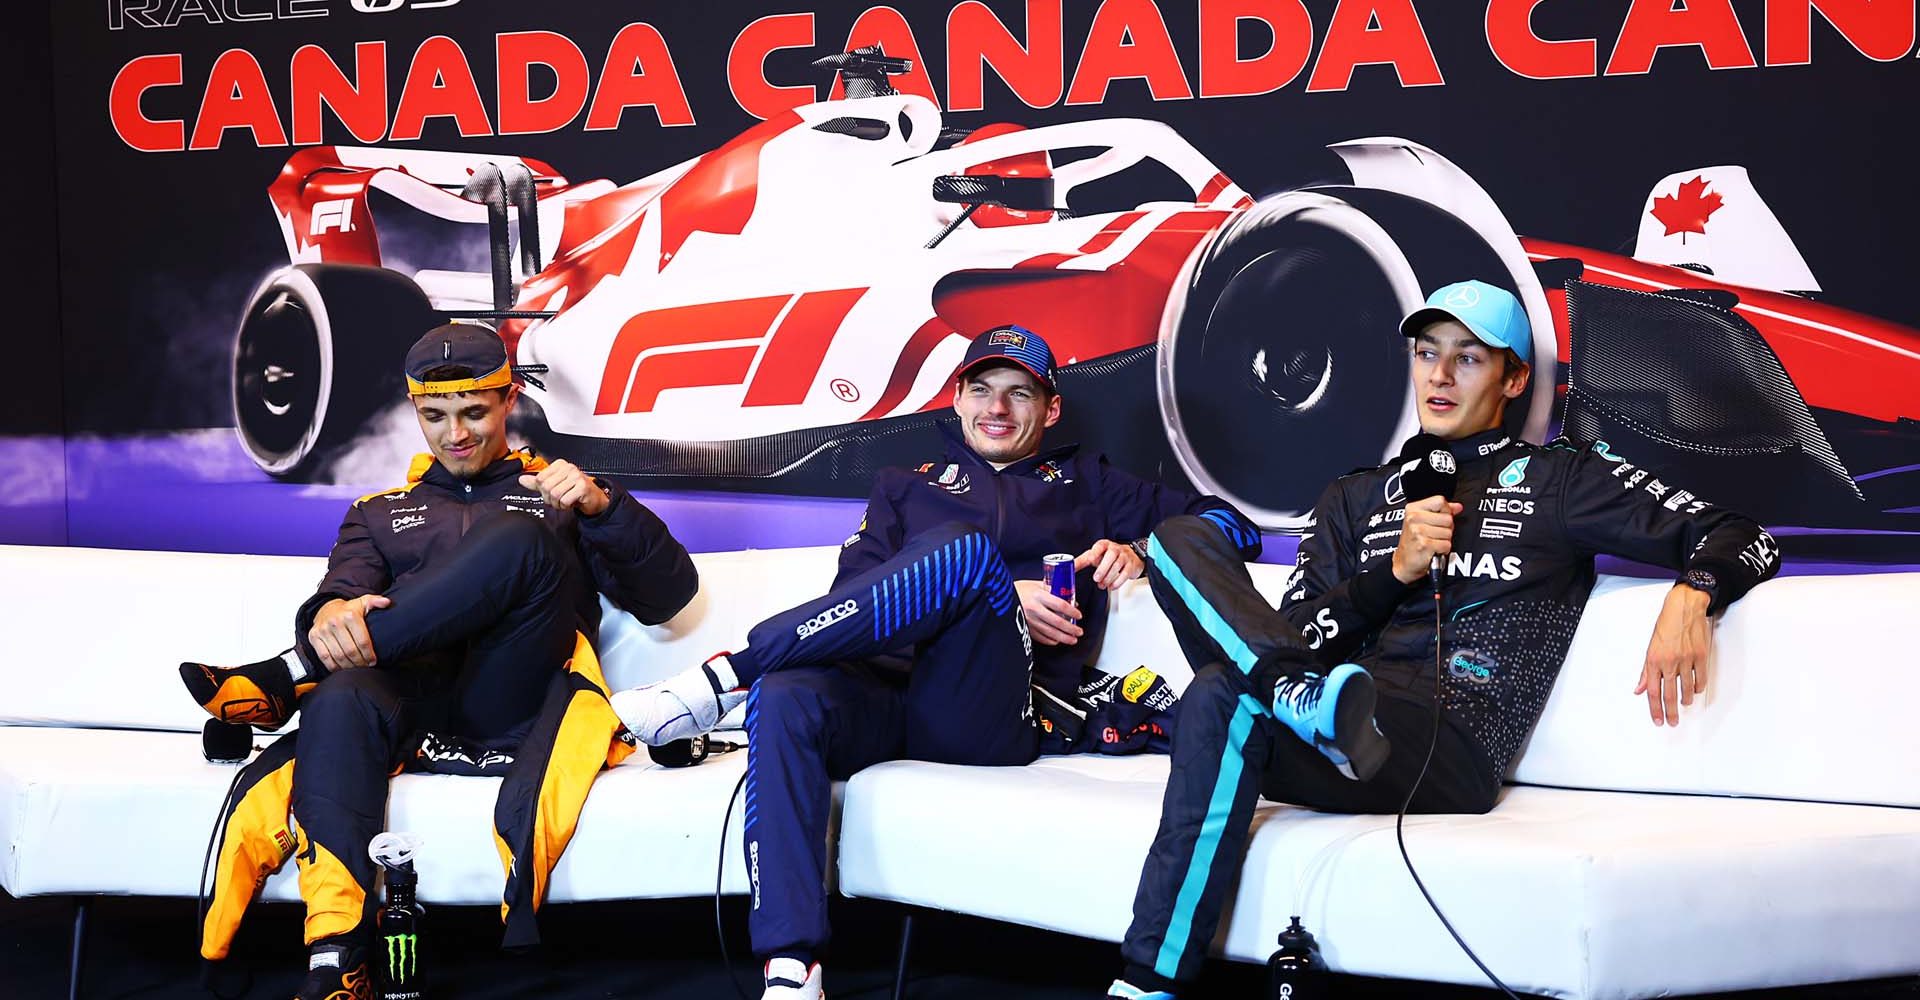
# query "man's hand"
(562, 485)
(1114, 563)
(339, 633)
(1426, 534)
(1676, 665)
(1050, 620)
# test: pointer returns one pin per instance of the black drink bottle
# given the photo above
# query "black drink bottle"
(1296, 971)
(397, 944)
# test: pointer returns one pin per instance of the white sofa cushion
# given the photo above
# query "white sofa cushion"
(1567, 893)
(129, 813)
(1794, 709)
(1800, 664)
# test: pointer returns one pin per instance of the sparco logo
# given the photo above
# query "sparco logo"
(824, 619)
(753, 871)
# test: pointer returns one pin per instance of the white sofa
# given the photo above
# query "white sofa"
(1793, 855)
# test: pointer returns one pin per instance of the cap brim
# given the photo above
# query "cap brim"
(1006, 359)
(1419, 318)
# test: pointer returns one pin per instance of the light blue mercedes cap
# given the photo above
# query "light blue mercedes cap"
(1491, 312)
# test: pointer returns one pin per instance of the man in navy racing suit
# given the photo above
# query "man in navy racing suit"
(945, 568)
(1327, 702)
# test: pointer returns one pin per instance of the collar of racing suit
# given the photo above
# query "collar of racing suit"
(1481, 445)
(427, 469)
(959, 451)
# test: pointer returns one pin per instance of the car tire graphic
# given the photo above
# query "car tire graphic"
(317, 352)
(1282, 368)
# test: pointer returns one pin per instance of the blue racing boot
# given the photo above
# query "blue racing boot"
(1334, 715)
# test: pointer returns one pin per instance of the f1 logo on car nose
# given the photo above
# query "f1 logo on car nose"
(716, 343)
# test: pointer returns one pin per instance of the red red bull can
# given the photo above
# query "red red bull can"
(1057, 572)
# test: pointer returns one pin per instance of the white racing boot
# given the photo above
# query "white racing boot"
(682, 706)
(789, 979)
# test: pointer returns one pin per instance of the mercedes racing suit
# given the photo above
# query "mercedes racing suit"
(1513, 590)
(930, 575)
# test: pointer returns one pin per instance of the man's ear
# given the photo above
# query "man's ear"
(1053, 410)
(1514, 382)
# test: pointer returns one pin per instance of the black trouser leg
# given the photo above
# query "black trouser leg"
(351, 728)
(506, 593)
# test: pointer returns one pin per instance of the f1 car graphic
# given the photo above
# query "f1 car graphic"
(787, 310)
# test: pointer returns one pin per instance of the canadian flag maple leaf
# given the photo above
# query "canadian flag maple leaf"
(1687, 211)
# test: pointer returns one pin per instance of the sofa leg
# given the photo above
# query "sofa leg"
(77, 958)
(906, 949)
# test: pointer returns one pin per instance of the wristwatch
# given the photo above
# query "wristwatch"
(1703, 581)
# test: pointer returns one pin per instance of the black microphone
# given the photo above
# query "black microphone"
(226, 742)
(1432, 472)
(688, 752)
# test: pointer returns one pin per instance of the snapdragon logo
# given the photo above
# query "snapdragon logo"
(825, 619)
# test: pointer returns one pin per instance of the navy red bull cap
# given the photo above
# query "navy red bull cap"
(469, 345)
(1494, 316)
(1011, 345)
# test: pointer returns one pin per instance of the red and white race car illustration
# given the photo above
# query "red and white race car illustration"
(786, 312)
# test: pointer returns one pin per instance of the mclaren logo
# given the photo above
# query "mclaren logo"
(826, 619)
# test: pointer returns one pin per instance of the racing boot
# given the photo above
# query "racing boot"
(261, 694)
(792, 979)
(1128, 991)
(336, 971)
(1334, 715)
(681, 707)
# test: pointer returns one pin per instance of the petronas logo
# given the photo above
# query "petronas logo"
(403, 958)
(1515, 472)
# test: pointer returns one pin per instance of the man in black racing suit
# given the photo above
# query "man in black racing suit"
(1346, 663)
(451, 632)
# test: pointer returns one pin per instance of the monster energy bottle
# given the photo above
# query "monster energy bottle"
(397, 951)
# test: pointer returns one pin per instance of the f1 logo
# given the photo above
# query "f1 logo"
(336, 215)
(718, 343)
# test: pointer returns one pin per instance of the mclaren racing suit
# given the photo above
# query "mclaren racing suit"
(485, 647)
(930, 573)
(1512, 593)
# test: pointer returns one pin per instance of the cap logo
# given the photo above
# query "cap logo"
(446, 350)
(1463, 298)
(1011, 338)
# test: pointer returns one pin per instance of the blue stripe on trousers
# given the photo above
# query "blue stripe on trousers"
(1211, 623)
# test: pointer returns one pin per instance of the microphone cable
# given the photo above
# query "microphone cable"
(1399, 822)
(719, 875)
